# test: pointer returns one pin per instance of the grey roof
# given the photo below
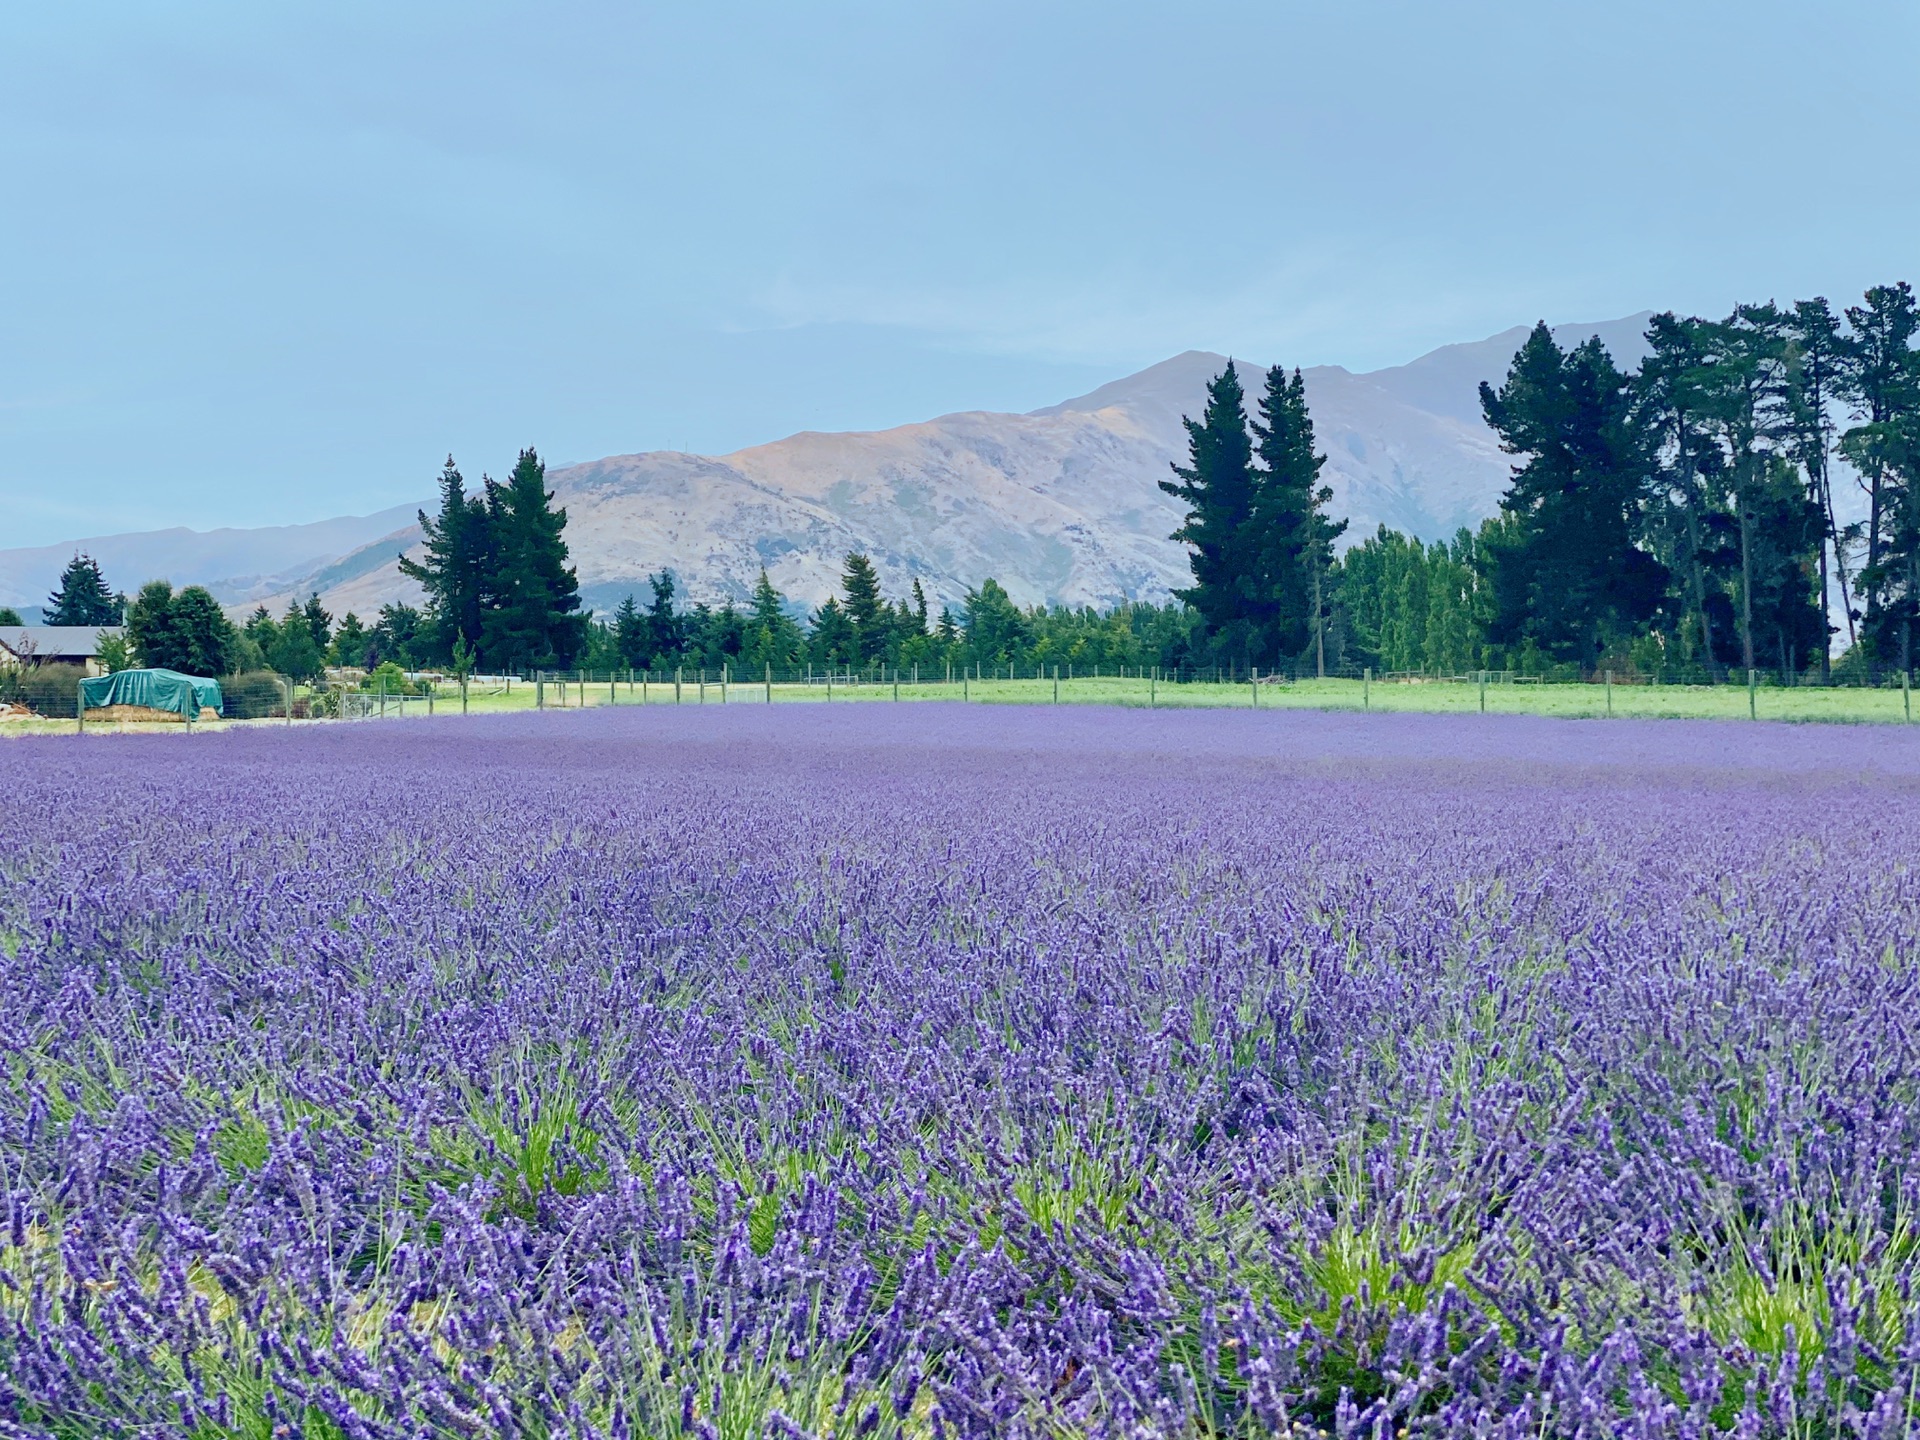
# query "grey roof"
(56, 642)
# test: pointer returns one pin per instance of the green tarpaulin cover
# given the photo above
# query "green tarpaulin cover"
(155, 689)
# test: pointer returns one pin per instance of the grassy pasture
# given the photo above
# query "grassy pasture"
(1843, 706)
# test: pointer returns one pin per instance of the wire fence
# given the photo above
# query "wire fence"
(53, 692)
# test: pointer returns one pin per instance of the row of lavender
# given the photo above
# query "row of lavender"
(802, 1072)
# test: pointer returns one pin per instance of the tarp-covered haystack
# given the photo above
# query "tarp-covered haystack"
(151, 695)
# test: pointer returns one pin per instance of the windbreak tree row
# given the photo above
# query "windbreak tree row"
(1685, 515)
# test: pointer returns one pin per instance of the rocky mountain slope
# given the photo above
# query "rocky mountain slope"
(1061, 505)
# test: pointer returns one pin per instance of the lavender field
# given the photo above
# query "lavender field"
(936, 1071)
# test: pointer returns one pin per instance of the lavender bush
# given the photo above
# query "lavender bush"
(955, 1072)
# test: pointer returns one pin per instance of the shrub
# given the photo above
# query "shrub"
(256, 695)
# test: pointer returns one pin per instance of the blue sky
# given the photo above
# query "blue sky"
(267, 263)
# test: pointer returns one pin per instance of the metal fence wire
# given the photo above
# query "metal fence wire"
(52, 692)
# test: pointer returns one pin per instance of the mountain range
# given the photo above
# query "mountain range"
(1061, 505)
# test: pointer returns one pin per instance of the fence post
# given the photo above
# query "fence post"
(1153, 689)
(966, 687)
(1483, 692)
(429, 699)
(1253, 682)
(1906, 694)
(287, 685)
(896, 682)
(679, 678)
(463, 693)
(1752, 682)
(1366, 688)
(725, 676)
(769, 682)
(1056, 684)
(1609, 675)
(79, 709)
(613, 689)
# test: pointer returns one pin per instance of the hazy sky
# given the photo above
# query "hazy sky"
(270, 262)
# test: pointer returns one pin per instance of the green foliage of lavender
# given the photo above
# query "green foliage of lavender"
(943, 1071)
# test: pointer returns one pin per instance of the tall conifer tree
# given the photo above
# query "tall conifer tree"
(1290, 544)
(1216, 486)
(83, 597)
(866, 612)
(455, 568)
(1571, 576)
(536, 621)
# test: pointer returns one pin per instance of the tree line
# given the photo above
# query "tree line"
(1678, 518)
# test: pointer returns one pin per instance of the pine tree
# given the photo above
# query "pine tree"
(319, 623)
(455, 568)
(996, 630)
(919, 609)
(834, 641)
(1217, 486)
(772, 636)
(1290, 538)
(1571, 579)
(396, 633)
(666, 630)
(630, 635)
(83, 597)
(289, 646)
(536, 620)
(867, 614)
(351, 644)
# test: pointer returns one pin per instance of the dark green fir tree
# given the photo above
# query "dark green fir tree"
(1217, 487)
(536, 621)
(83, 597)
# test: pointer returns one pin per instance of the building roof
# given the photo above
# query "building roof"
(56, 642)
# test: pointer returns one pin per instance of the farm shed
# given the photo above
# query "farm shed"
(24, 645)
(166, 691)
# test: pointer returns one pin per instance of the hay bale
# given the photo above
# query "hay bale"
(138, 715)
